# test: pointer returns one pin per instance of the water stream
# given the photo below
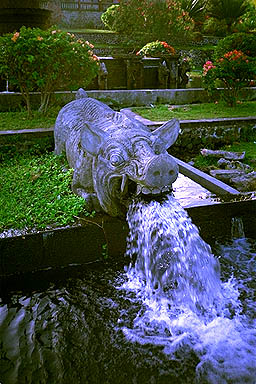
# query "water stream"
(186, 306)
(179, 313)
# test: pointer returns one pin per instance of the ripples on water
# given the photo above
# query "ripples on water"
(171, 317)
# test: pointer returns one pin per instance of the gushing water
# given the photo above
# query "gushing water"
(172, 260)
(185, 305)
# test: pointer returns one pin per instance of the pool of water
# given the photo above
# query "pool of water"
(80, 324)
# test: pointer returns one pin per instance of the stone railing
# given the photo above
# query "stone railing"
(82, 5)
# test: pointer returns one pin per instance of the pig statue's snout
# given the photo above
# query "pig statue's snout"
(161, 172)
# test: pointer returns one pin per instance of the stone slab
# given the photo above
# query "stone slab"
(84, 244)
(207, 181)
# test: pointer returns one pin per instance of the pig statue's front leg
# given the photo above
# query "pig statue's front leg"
(91, 198)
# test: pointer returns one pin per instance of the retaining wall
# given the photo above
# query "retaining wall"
(194, 135)
(84, 244)
(121, 98)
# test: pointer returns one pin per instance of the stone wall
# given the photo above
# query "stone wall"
(213, 134)
(77, 19)
(121, 98)
(194, 136)
(118, 43)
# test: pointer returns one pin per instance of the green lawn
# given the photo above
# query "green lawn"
(197, 111)
(20, 120)
(87, 30)
(35, 191)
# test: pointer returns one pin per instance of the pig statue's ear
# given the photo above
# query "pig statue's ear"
(168, 132)
(92, 139)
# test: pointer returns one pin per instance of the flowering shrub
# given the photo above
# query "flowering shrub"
(155, 48)
(126, 17)
(155, 17)
(234, 70)
(37, 60)
(244, 42)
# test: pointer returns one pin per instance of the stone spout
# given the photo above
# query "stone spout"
(114, 157)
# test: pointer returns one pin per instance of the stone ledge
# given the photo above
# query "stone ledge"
(83, 243)
(121, 98)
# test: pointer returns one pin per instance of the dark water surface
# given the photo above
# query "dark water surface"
(149, 324)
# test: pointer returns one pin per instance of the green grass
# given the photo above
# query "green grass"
(87, 30)
(35, 192)
(197, 111)
(195, 73)
(109, 46)
(20, 120)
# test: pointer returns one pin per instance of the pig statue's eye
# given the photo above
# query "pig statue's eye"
(116, 160)
(159, 147)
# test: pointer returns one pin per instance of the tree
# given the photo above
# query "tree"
(159, 18)
(228, 10)
(44, 60)
(195, 8)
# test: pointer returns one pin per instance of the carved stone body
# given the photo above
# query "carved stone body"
(114, 157)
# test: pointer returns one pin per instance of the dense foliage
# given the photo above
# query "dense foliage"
(215, 27)
(155, 17)
(35, 191)
(241, 41)
(160, 18)
(228, 10)
(44, 61)
(195, 8)
(110, 16)
(156, 48)
(247, 22)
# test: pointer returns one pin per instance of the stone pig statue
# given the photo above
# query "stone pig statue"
(114, 157)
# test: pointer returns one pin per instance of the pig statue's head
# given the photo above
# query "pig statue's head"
(130, 160)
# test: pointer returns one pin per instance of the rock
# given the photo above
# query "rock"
(226, 175)
(223, 163)
(246, 182)
(227, 164)
(243, 182)
(225, 154)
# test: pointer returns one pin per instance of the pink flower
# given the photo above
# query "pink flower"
(207, 66)
(15, 36)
